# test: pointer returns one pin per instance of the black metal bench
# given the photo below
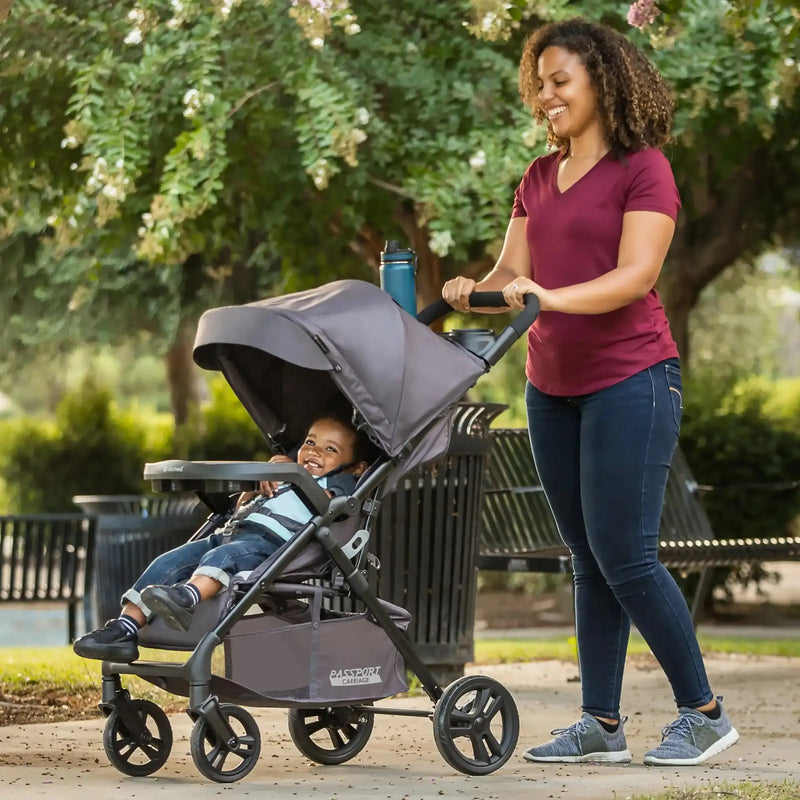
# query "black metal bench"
(47, 558)
(519, 534)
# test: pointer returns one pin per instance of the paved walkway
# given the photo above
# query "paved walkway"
(66, 760)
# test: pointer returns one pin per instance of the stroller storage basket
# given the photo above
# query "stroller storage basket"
(334, 657)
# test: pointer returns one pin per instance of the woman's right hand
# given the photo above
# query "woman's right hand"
(457, 292)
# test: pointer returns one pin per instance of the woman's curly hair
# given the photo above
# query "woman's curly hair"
(634, 103)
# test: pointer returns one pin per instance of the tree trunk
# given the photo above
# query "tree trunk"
(182, 377)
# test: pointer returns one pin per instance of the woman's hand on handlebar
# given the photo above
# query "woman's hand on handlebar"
(457, 292)
(515, 291)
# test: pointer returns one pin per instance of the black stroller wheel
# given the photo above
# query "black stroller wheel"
(226, 761)
(339, 733)
(476, 725)
(145, 754)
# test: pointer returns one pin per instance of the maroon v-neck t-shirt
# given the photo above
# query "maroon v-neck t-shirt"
(573, 237)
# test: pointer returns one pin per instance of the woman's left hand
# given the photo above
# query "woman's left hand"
(515, 291)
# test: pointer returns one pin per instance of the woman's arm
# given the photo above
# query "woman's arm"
(514, 262)
(646, 237)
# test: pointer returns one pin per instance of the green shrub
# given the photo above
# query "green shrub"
(91, 448)
(220, 430)
(745, 450)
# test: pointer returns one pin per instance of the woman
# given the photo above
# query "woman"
(589, 232)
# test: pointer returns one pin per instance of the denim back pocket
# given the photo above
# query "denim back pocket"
(673, 374)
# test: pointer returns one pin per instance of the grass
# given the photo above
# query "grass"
(22, 666)
(35, 669)
(743, 791)
(499, 651)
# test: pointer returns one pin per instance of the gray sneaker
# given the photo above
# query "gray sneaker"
(585, 740)
(693, 738)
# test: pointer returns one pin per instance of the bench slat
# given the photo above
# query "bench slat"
(518, 531)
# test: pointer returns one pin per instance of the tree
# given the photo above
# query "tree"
(188, 154)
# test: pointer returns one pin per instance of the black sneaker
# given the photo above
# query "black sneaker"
(172, 603)
(114, 642)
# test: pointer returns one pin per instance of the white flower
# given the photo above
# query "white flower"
(530, 136)
(177, 6)
(119, 163)
(134, 37)
(788, 62)
(141, 231)
(52, 219)
(73, 166)
(359, 135)
(320, 173)
(147, 218)
(362, 116)
(352, 29)
(774, 101)
(478, 160)
(191, 96)
(318, 42)
(110, 191)
(489, 21)
(173, 24)
(136, 15)
(441, 242)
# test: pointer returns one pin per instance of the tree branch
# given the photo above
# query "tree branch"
(248, 97)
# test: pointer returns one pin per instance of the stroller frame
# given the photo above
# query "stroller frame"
(477, 709)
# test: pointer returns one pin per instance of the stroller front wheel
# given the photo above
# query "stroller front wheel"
(476, 725)
(241, 751)
(340, 733)
(138, 753)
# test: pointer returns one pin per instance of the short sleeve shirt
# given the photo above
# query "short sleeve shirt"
(573, 237)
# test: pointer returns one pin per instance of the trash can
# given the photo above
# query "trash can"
(131, 531)
(427, 543)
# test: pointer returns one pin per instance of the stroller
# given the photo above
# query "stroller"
(280, 636)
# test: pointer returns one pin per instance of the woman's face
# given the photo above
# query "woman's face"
(566, 94)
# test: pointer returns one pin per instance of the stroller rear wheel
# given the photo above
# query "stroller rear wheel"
(339, 733)
(141, 754)
(476, 725)
(210, 753)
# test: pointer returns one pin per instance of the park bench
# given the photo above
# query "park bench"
(518, 532)
(47, 558)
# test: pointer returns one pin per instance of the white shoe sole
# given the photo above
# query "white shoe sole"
(730, 738)
(615, 757)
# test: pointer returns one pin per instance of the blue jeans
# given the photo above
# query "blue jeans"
(209, 556)
(603, 460)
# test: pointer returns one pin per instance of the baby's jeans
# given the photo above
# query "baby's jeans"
(603, 460)
(207, 556)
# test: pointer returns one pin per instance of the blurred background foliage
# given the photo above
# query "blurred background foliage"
(171, 156)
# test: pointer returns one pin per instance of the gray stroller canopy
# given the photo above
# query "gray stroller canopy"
(291, 358)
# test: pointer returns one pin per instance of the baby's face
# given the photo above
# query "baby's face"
(328, 445)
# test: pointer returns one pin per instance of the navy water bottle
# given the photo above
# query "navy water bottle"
(398, 270)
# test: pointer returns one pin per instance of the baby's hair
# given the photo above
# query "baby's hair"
(634, 103)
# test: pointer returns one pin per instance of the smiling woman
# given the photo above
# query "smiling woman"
(590, 228)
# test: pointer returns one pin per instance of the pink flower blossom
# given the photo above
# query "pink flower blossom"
(642, 13)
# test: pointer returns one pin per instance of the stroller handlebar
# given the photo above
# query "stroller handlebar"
(506, 337)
